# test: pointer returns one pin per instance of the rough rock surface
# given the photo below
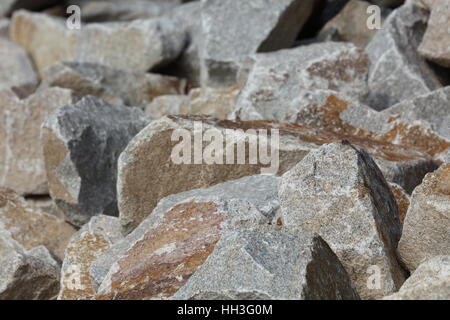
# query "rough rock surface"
(281, 83)
(4, 28)
(21, 162)
(16, 69)
(430, 281)
(213, 102)
(397, 70)
(256, 264)
(340, 193)
(115, 86)
(435, 45)
(31, 227)
(426, 229)
(146, 43)
(91, 241)
(167, 105)
(233, 29)
(81, 144)
(403, 200)
(26, 275)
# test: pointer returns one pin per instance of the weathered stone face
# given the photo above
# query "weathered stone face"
(21, 162)
(81, 144)
(31, 227)
(397, 70)
(435, 45)
(145, 43)
(171, 244)
(340, 193)
(167, 105)
(244, 28)
(403, 200)
(281, 83)
(430, 281)
(115, 86)
(86, 245)
(426, 229)
(264, 264)
(26, 275)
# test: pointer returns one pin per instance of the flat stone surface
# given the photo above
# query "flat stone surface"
(21, 162)
(426, 229)
(233, 29)
(81, 144)
(94, 238)
(430, 281)
(397, 70)
(435, 45)
(338, 192)
(26, 275)
(32, 227)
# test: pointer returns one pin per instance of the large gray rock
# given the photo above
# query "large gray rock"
(281, 83)
(430, 281)
(8, 6)
(233, 29)
(22, 165)
(81, 144)
(426, 228)
(16, 69)
(26, 275)
(86, 245)
(340, 193)
(264, 264)
(146, 43)
(397, 70)
(435, 45)
(112, 85)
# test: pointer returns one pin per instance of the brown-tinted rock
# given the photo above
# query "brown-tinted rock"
(21, 162)
(8, 6)
(31, 227)
(89, 242)
(426, 228)
(402, 199)
(217, 103)
(167, 105)
(435, 45)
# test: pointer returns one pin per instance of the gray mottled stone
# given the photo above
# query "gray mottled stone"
(340, 193)
(281, 83)
(146, 43)
(430, 281)
(426, 228)
(16, 69)
(4, 28)
(94, 238)
(81, 144)
(21, 162)
(255, 264)
(234, 29)
(397, 70)
(112, 85)
(26, 275)
(435, 45)
(183, 227)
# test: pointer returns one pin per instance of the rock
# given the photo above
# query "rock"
(81, 144)
(426, 229)
(32, 227)
(117, 10)
(254, 265)
(403, 200)
(4, 28)
(91, 241)
(112, 85)
(16, 69)
(21, 162)
(142, 182)
(26, 275)
(446, 157)
(8, 6)
(397, 70)
(45, 204)
(430, 281)
(435, 45)
(339, 192)
(166, 105)
(234, 29)
(281, 83)
(388, 3)
(147, 44)
(351, 24)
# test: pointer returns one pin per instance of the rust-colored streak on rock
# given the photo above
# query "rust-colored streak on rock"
(438, 182)
(402, 200)
(159, 264)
